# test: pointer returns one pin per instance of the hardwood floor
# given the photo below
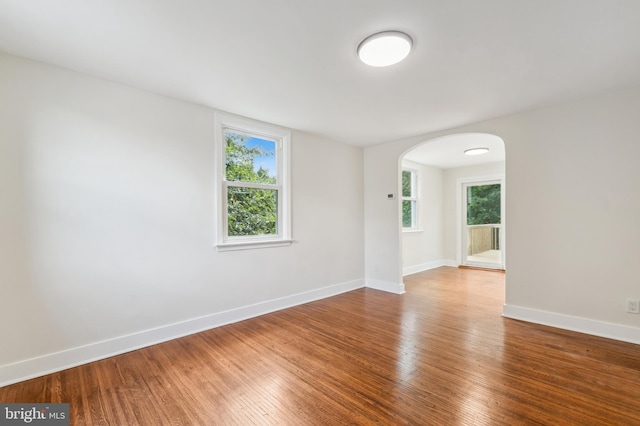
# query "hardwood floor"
(439, 355)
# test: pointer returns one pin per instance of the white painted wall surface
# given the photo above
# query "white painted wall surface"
(573, 202)
(106, 216)
(450, 206)
(423, 249)
(382, 245)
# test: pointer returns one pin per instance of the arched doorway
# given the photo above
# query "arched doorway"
(441, 200)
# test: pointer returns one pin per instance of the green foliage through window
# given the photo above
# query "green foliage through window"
(247, 157)
(251, 211)
(406, 183)
(409, 201)
(483, 204)
(407, 213)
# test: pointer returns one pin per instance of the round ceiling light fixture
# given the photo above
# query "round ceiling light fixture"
(476, 151)
(385, 48)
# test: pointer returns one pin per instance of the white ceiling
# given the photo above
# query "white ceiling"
(293, 62)
(448, 152)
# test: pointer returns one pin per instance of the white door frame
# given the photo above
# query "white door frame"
(461, 236)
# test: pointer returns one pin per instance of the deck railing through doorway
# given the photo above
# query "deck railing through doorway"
(481, 238)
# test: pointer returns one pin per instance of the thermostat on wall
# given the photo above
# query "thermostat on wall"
(391, 196)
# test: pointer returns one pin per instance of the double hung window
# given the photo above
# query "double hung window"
(409, 200)
(253, 184)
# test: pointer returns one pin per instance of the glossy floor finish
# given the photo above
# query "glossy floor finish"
(441, 354)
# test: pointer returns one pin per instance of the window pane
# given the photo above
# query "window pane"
(250, 159)
(406, 183)
(252, 211)
(483, 204)
(408, 213)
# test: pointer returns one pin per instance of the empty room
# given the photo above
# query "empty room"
(248, 212)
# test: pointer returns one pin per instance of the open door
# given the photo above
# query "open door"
(482, 215)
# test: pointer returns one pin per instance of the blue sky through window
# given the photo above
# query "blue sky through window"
(265, 161)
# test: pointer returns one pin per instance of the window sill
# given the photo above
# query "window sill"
(251, 245)
(412, 231)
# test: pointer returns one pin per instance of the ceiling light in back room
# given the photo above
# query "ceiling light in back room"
(385, 48)
(476, 151)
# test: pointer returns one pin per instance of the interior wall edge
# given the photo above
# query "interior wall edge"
(389, 287)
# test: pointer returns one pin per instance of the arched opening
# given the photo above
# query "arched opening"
(451, 204)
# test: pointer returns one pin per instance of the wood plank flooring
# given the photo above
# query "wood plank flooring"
(441, 354)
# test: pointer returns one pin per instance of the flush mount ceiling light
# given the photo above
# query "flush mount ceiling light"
(385, 48)
(476, 151)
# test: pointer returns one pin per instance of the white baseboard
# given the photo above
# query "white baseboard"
(51, 363)
(567, 322)
(426, 266)
(396, 288)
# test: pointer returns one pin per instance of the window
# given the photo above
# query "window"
(409, 200)
(252, 181)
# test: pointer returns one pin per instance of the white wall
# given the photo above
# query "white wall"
(382, 233)
(573, 202)
(424, 249)
(450, 205)
(107, 219)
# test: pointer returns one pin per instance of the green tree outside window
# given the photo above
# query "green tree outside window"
(483, 204)
(250, 211)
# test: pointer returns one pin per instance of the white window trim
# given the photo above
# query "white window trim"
(283, 137)
(415, 227)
